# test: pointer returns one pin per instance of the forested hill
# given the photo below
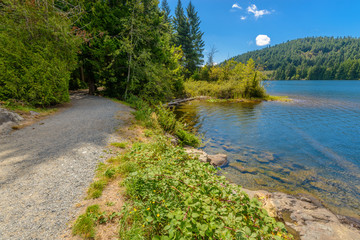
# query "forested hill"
(312, 58)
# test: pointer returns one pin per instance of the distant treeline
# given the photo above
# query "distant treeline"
(312, 58)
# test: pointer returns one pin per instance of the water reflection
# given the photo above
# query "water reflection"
(308, 146)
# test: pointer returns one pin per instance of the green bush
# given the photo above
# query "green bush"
(229, 81)
(176, 197)
(160, 117)
(37, 53)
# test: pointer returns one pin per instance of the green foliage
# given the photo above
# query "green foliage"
(127, 48)
(38, 52)
(15, 105)
(96, 188)
(320, 58)
(161, 118)
(84, 227)
(189, 36)
(85, 223)
(229, 81)
(119, 144)
(174, 197)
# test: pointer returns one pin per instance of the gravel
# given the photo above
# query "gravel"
(46, 168)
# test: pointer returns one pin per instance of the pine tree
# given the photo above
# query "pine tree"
(166, 10)
(189, 37)
(182, 34)
(196, 57)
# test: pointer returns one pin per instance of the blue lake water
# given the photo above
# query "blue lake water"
(310, 145)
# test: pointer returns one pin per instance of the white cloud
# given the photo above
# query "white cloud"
(262, 40)
(257, 13)
(243, 18)
(236, 6)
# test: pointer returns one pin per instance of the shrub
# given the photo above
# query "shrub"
(229, 81)
(174, 197)
(37, 53)
(159, 117)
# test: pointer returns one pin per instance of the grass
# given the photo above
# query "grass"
(119, 101)
(119, 144)
(85, 223)
(96, 188)
(20, 107)
(278, 98)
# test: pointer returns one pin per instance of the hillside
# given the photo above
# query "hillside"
(311, 58)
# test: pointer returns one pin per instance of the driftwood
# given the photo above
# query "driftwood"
(177, 102)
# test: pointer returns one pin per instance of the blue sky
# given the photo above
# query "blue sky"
(233, 29)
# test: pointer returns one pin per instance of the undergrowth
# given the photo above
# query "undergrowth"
(159, 117)
(18, 106)
(174, 197)
(86, 223)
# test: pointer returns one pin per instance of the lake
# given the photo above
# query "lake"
(310, 145)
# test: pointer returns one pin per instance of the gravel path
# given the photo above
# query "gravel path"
(46, 168)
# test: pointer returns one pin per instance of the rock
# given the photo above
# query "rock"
(240, 167)
(218, 159)
(196, 153)
(32, 113)
(174, 140)
(306, 216)
(7, 116)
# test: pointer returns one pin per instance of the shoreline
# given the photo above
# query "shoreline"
(177, 102)
(304, 216)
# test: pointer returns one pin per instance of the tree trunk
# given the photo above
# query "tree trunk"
(92, 87)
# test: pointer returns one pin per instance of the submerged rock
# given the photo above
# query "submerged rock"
(196, 153)
(240, 167)
(306, 216)
(218, 160)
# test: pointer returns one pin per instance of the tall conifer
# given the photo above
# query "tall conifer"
(166, 10)
(196, 57)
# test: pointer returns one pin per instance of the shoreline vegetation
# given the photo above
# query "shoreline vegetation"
(162, 202)
(167, 193)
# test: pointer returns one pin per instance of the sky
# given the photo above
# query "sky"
(235, 27)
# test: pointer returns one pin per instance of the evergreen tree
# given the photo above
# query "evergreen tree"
(189, 37)
(322, 57)
(195, 60)
(166, 10)
(38, 51)
(182, 34)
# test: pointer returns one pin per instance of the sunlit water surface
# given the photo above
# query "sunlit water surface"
(310, 145)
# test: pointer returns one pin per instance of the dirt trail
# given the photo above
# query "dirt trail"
(45, 168)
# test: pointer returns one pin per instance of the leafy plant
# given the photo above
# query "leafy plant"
(176, 197)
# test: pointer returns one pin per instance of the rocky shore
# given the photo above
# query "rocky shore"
(305, 217)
